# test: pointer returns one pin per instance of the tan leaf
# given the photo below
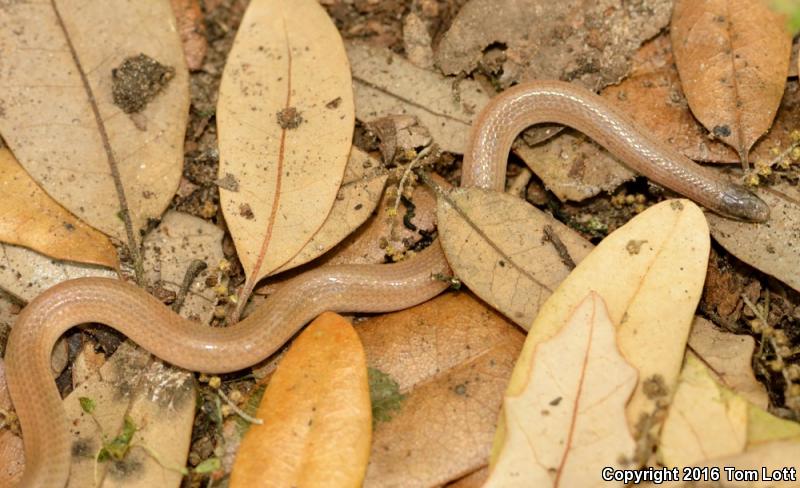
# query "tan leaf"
(650, 272)
(316, 414)
(32, 219)
(704, 421)
(652, 95)
(728, 357)
(733, 59)
(451, 358)
(12, 456)
(522, 40)
(475, 479)
(25, 273)
(388, 84)
(62, 61)
(568, 420)
(169, 251)
(573, 167)
(285, 117)
(771, 247)
(192, 27)
(159, 399)
(358, 196)
(495, 244)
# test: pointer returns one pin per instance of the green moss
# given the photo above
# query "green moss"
(384, 393)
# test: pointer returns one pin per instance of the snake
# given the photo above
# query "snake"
(341, 288)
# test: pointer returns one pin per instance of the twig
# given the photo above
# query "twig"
(563, 253)
(195, 268)
(239, 411)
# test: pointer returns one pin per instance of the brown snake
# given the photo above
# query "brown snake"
(361, 288)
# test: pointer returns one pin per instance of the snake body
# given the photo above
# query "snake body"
(358, 288)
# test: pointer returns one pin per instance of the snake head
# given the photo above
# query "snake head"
(742, 204)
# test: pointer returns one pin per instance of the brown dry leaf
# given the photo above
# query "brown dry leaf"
(169, 251)
(285, 117)
(573, 167)
(568, 420)
(650, 273)
(12, 456)
(159, 399)
(316, 414)
(728, 357)
(652, 96)
(388, 84)
(475, 479)
(771, 247)
(451, 358)
(358, 196)
(704, 420)
(588, 41)
(62, 60)
(733, 60)
(495, 244)
(192, 27)
(25, 273)
(32, 219)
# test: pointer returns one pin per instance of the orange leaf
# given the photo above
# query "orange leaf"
(316, 411)
(32, 219)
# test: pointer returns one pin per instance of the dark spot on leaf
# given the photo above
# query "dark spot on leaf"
(722, 131)
(334, 103)
(246, 212)
(137, 81)
(289, 118)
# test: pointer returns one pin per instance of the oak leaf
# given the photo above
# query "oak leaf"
(32, 219)
(568, 421)
(316, 416)
(94, 99)
(733, 59)
(285, 118)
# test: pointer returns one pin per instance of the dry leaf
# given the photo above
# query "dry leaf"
(708, 425)
(733, 59)
(495, 244)
(771, 247)
(159, 399)
(316, 414)
(728, 357)
(451, 358)
(25, 273)
(650, 273)
(285, 117)
(476, 479)
(12, 457)
(62, 61)
(568, 421)
(32, 219)
(192, 27)
(388, 84)
(588, 41)
(652, 96)
(358, 196)
(574, 167)
(704, 420)
(169, 252)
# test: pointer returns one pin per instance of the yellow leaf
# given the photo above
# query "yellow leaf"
(650, 272)
(316, 411)
(32, 219)
(704, 420)
(569, 420)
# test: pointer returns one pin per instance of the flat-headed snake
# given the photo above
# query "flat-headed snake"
(352, 288)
